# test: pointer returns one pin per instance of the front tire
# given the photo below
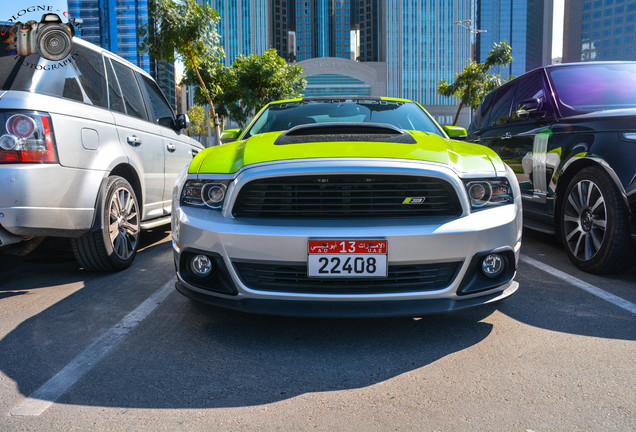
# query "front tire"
(115, 245)
(595, 223)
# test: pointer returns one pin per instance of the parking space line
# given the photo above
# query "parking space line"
(40, 400)
(594, 290)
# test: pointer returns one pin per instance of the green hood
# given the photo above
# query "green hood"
(461, 156)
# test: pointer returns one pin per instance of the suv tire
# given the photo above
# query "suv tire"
(595, 223)
(115, 245)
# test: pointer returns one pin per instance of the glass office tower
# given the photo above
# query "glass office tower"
(113, 25)
(525, 24)
(599, 30)
(322, 28)
(424, 47)
(244, 26)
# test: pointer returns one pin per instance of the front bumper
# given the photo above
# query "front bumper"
(410, 243)
(415, 242)
(349, 309)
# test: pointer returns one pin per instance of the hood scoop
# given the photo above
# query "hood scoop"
(334, 132)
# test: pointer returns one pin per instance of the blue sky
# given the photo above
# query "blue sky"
(11, 8)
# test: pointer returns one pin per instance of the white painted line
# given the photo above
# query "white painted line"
(594, 290)
(45, 396)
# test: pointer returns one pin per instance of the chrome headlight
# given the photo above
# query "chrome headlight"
(488, 192)
(200, 193)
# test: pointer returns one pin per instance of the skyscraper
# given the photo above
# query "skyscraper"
(322, 28)
(599, 30)
(525, 24)
(371, 16)
(424, 47)
(114, 25)
(244, 25)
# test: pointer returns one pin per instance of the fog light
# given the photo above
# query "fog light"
(493, 265)
(201, 265)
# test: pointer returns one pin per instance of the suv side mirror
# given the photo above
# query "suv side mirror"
(456, 132)
(230, 135)
(183, 122)
(529, 108)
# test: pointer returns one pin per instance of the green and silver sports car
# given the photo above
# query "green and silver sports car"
(345, 206)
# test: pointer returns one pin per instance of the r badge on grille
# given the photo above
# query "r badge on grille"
(414, 200)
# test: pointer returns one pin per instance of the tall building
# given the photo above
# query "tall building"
(370, 19)
(283, 32)
(114, 25)
(525, 24)
(322, 28)
(599, 30)
(244, 25)
(424, 47)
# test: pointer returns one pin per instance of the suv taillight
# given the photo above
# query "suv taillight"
(26, 138)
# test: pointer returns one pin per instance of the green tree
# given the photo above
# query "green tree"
(256, 80)
(474, 82)
(184, 31)
(198, 126)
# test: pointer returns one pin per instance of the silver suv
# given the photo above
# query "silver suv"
(89, 150)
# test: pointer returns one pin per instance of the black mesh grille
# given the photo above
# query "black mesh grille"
(294, 279)
(346, 196)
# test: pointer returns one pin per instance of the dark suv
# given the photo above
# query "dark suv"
(569, 133)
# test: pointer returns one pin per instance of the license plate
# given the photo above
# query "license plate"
(347, 258)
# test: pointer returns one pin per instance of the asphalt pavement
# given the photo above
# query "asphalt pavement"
(125, 351)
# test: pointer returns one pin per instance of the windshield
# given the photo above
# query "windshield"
(283, 116)
(594, 87)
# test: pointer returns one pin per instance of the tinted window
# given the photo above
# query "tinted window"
(481, 114)
(529, 87)
(159, 108)
(588, 88)
(283, 116)
(79, 77)
(133, 100)
(500, 111)
(114, 92)
(90, 68)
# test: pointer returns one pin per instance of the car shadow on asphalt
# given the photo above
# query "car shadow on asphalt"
(205, 357)
(188, 355)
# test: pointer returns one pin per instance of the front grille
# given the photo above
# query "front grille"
(346, 196)
(294, 279)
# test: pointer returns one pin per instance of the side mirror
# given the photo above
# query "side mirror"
(183, 122)
(456, 132)
(230, 135)
(529, 108)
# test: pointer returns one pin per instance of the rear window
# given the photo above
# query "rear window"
(594, 87)
(79, 77)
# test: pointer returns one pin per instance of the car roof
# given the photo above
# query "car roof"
(560, 65)
(340, 99)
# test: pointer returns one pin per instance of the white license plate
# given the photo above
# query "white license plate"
(347, 258)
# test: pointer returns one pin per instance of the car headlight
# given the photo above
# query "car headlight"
(200, 193)
(488, 192)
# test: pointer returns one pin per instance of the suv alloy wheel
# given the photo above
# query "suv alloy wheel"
(114, 246)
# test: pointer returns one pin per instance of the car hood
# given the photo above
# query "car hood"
(460, 156)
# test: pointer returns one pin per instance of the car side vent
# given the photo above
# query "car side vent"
(331, 132)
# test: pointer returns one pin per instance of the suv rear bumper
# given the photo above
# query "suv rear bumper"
(48, 199)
